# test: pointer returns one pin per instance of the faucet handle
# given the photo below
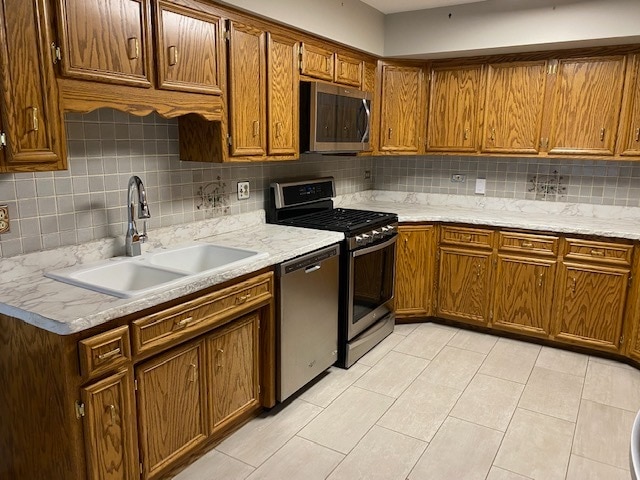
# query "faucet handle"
(143, 236)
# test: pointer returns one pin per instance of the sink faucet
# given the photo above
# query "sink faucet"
(134, 239)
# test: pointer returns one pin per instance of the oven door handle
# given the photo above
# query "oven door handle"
(373, 248)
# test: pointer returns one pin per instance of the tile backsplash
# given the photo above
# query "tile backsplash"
(105, 147)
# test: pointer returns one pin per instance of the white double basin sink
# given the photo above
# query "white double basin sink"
(127, 277)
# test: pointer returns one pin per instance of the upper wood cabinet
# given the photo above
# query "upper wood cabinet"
(513, 105)
(402, 109)
(586, 105)
(106, 40)
(282, 95)
(629, 133)
(325, 64)
(348, 70)
(187, 48)
(414, 270)
(32, 119)
(454, 104)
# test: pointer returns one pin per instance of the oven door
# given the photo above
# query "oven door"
(371, 274)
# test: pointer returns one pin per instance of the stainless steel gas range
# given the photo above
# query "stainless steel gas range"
(367, 259)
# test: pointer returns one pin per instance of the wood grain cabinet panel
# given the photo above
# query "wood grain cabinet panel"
(454, 105)
(348, 70)
(110, 428)
(172, 407)
(30, 104)
(282, 95)
(316, 62)
(106, 40)
(513, 105)
(586, 107)
(187, 49)
(247, 90)
(415, 258)
(629, 133)
(401, 121)
(233, 355)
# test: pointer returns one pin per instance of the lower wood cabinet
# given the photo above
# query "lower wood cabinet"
(172, 407)
(415, 256)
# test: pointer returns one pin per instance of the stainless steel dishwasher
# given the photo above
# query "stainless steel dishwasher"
(308, 318)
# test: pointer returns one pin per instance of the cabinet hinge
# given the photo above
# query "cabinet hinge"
(227, 35)
(544, 143)
(56, 53)
(141, 470)
(552, 69)
(79, 409)
(3, 139)
(229, 141)
(630, 280)
(621, 339)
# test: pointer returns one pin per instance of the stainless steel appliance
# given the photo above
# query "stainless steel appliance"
(333, 118)
(308, 318)
(367, 261)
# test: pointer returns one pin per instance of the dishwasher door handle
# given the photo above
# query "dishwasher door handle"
(311, 269)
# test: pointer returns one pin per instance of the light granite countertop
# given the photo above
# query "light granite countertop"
(65, 309)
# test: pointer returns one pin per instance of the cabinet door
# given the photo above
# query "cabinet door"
(233, 358)
(247, 85)
(106, 40)
(187, 44)
(171, 407)
(453, 109)
(401, 123)
(317, 62)
(110, 428)
(582, 320)
(464, 285)
(348, 70)
(30, 102)
(629, 136)
(282, 95)
(588, 97)
(523, 295)
(513, 107)
(414, 271)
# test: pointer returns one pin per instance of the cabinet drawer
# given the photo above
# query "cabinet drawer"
(104, 352)
(526, 243)
(467, 236)
(173, 324)
(605, 252)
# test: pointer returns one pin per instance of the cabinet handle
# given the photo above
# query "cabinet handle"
(466, 134)
(638, 134)
(113, 353)
(326, 64)
(466, 238)
(478, 270)
(34, 119)
(597, 253)
(219, 353)
(185, 322)
(540, 279)
(112, 412)
(256, 128)
(173, 55)
(133, 45)
(242, 299)
(574, 283)
(390, 132)
(602, 132)
(194, 373)
(526, 244)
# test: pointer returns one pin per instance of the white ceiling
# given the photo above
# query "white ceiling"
(385, 6)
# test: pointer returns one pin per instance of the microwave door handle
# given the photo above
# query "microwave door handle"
(367, 111)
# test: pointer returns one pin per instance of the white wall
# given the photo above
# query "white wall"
(511, 25)
(350, 22)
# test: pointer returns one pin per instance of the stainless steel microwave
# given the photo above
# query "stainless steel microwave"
(333, 118)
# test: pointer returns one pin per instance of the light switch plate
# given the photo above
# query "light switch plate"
(4, 219)
(243, 190)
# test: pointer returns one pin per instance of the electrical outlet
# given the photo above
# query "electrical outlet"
(367, 174)
(243, 190)
(4, 219)
(458, 178)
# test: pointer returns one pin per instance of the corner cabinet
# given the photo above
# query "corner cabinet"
(33, 137)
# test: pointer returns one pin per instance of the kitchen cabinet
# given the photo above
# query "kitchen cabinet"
(110, 427)
(586, 105)
(171, 407)
(629, 133)
(465, 274)
(369, 85)
(402, 111)
(415, 270)
(348, 70)
(187, 48)
(513, 107)
(320, 62)
(592, 270)
(106, 41)
(233, 374)
(33, 136)
(525, 281)
(454, 108)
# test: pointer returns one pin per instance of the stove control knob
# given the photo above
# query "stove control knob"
(390, 228)
(375, 234)
(364, 239)
(385, 230)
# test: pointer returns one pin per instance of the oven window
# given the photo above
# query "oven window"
(372, 281)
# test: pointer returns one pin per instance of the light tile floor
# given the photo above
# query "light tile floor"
(434, 402)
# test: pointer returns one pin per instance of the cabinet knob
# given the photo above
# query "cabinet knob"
(638, 134)
(34, 119)
(390, 132)
(133, 47)
(602, 132)
(173, 55)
